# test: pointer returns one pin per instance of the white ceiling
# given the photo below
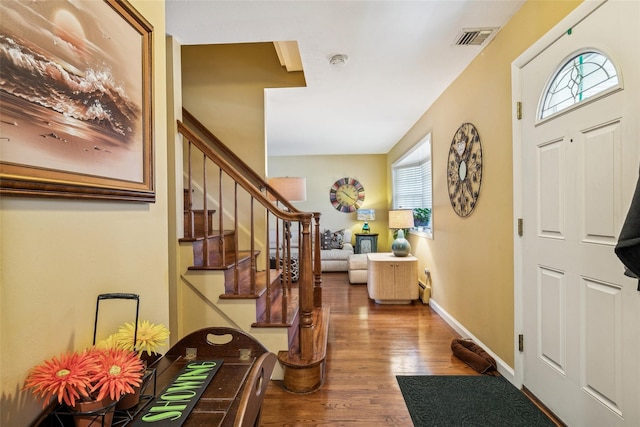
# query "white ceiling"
(401, 57)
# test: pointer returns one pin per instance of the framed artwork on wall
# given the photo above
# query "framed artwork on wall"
(464, 169)
(76, 101)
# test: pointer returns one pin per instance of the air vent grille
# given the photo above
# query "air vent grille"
(474, 36)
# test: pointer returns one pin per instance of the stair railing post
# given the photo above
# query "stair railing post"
(317, 263)
(236, 272)
(190, 218)
(306, 291)
(205, 243)
(252, 247)
(268, 261)
(222, 242)
(286, 261)
(277, 255)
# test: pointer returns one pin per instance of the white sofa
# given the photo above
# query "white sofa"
(334, 259)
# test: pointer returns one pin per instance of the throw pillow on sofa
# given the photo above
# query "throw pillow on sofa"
(325, 242)
(337, 239)
(332, 239)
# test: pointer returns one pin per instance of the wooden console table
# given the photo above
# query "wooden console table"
(235, 394)
(392, 279)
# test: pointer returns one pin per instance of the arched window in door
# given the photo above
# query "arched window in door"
(583, 76)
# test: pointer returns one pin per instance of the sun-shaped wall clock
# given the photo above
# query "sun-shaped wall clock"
(346, 194)
(464, 169)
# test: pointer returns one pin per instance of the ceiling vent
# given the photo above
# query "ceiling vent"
(475, 36)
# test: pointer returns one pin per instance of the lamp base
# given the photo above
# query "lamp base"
(401, 246)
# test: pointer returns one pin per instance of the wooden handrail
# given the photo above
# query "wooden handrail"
(309, 291)
(289, 214)
(239, 164)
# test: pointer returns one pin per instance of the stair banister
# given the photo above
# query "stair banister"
(246, 169)
(258, 181)
(237, 177)
(309, 284)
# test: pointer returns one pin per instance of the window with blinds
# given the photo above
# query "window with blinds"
(412, 188)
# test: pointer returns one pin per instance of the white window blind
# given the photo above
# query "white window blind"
(412, 186)
(411, 175)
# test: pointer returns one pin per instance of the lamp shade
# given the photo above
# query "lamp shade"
(366, 214)
(292, 188)
(401, 218)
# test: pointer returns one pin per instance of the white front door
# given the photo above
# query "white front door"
(580, 313)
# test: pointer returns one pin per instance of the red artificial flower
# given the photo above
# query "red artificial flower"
(118, 371)
(68, 377)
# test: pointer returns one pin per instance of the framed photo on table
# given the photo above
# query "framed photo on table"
(76, 101)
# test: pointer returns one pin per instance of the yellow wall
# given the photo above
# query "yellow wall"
(58, 255)
(223, 87)
(471, 259)
(322, 171)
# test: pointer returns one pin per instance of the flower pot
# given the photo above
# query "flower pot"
(129, 400)
(150, 359)
(93, 413)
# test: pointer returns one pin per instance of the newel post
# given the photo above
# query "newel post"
(317, 263)
(306, 292)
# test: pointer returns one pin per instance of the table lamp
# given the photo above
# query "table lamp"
(292, 188)
(399, 220)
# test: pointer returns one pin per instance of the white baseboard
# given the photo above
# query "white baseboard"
(504, 369)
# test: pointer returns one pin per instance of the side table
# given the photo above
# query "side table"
(392, 279)
(366, 243)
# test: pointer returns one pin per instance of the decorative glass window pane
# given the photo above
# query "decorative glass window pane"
(582, 77)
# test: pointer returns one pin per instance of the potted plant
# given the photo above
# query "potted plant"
(93, 375)
(421, 217)
(143, 341)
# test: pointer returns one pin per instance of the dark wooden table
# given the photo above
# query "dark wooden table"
(233, 397)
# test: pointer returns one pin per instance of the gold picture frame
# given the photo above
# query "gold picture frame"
(76, 104)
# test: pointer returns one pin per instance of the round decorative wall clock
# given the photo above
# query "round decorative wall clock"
(464, 169)
(346, 194)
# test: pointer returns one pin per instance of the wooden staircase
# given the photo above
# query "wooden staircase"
(215, 233)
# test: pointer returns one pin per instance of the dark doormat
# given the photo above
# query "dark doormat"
(468, 400)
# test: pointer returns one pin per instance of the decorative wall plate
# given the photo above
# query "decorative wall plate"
(346, 194)
(464, 169)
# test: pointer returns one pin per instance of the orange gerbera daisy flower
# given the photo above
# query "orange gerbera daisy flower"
(68, 377)
(118, 371)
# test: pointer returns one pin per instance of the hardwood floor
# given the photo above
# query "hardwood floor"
(369, 344)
